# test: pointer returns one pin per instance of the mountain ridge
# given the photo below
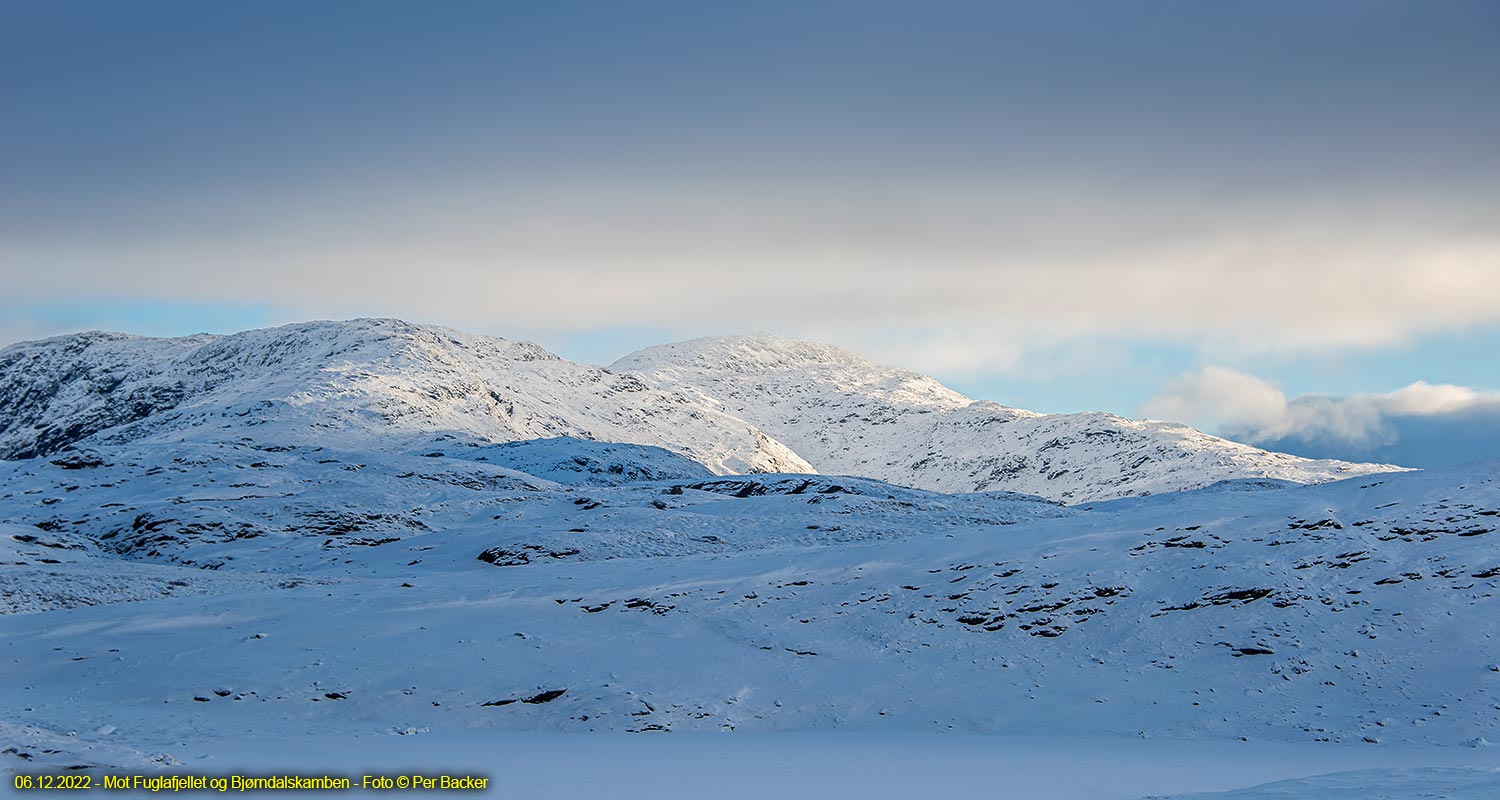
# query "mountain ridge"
(740, 404)
(361, 383)
(846, 414)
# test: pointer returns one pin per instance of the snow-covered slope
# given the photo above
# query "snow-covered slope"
(571, 461)
(735, 405)
(282, 509)
(356, 385)
(848, 415)
(193, 592)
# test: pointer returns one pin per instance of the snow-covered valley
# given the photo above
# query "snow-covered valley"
(349, 572)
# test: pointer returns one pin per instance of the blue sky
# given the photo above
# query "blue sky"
(1061, 206)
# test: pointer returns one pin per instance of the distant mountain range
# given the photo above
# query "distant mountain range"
(740, 404)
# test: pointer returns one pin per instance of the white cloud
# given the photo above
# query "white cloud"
(1215, 396)
(1423, 399)
(1248, 408)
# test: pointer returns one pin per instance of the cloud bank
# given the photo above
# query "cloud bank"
(541, 270)
(1420, 425)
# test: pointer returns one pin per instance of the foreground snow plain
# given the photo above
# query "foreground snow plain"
(763, 634)
(898, 765)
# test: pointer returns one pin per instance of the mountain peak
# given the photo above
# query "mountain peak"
(848, 415)
(760, 349)
(784, 366)
(363, 383)
(749, 403)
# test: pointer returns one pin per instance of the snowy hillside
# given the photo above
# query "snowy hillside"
(197, 592)
(735, 405)
(847, 415)
(567, 460)
(357, 384)
(289, 509)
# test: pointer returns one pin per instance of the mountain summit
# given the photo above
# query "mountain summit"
(848, 415)
(365, 383)
(735, 404)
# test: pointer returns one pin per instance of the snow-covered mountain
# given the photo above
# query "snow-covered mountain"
(735, 405)
(358, 384)
(336, 539)
(848, 415)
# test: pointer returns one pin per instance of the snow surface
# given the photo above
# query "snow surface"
(348, 576)
(567, 460)
(1339, 613)
(857, 764)
(735, 405)
(848, 415)
(1422, 783)
(357, 384)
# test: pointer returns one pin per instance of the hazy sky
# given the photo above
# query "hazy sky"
(1058, 205)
